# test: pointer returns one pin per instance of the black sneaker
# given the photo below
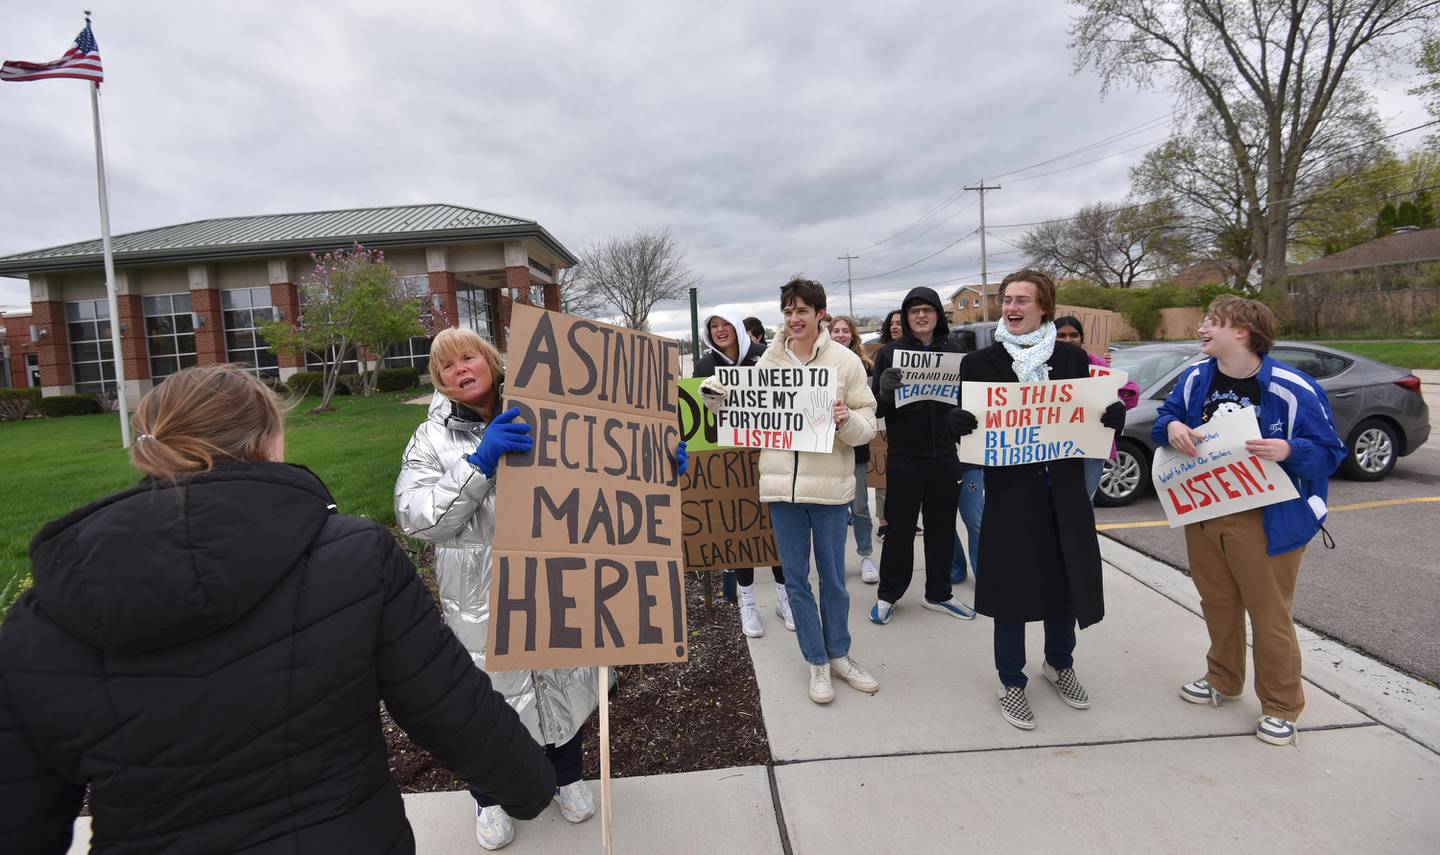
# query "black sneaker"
(882, 531)
(1064, 681)
(1015, 707)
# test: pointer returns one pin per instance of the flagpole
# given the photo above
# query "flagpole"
(117, 355)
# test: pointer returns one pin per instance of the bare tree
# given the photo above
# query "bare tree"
(1283, 60)
(632, 273)
(578, 295)
(1112, 245)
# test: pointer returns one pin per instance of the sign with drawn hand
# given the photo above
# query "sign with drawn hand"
(787, 408)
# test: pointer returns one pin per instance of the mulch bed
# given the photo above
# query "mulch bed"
(685, 717)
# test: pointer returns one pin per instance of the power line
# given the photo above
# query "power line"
(1140, 128)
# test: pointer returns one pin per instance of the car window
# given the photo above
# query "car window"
(1315, 363)
(1145, 366)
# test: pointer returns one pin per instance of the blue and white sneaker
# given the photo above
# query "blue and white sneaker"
(953, 608)
(1276, 731)
(881, 612)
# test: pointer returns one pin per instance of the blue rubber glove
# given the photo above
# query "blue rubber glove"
(682, 458)
(502, 436)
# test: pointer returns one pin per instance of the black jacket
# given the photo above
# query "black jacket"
(211, 658)
(1038, 527)
(918, 429)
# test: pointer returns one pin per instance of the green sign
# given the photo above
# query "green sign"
(697, 424)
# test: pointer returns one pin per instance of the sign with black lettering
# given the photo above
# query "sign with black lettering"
(790, 408)
(587, 524)
(927, 376)
(875, 469)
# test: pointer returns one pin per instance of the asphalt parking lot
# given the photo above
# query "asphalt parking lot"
(1379, 589)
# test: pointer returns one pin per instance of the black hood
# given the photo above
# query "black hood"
(929, 297)
(158, 564)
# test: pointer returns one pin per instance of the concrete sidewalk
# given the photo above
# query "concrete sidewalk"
(928, 765)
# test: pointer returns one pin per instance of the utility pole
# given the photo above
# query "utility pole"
(849, 281)
(984, 268)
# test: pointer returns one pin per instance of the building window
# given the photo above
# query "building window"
(32, 370)
(244, 309)
(91, 354)
(415, 351)
(169, 334)
(315, 362)
(475, 314)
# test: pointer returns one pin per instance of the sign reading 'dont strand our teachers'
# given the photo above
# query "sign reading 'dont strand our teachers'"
(587, 524)
(723, 522)
(1223, 478)
(789, 408)
(1039, 422)
(926, 376)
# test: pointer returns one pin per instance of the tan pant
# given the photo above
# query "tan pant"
(1235, 576)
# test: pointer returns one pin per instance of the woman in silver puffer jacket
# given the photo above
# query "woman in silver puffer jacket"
(445, 495)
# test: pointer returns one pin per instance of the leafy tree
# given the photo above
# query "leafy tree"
(1114, 245)
(1360, 206)
(1271, 71)
(351, 298)
(634, 272)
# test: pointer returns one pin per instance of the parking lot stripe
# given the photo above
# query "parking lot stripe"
(1358, 506)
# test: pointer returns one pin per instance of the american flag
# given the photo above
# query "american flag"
(81, 62)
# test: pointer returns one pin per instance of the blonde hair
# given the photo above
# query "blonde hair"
(854, 338)
(455, 343)
(202, 416)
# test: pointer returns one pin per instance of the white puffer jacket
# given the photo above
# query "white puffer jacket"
(811, 477)
(442, 499)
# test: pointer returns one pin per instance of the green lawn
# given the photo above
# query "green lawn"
(1404, 354)
(52, 466)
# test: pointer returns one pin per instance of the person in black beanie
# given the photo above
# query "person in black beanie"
(922, 472)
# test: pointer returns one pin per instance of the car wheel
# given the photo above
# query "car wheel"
(1123, 479)
(1374, 448)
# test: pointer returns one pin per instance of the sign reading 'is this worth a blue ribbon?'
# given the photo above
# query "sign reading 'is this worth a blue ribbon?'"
(1024, 423)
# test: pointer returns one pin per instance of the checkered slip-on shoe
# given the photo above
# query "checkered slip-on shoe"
(1201, 692)
(1015, 708)
(1065, 682)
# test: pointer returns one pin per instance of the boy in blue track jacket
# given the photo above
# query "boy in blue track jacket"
(1247, 562)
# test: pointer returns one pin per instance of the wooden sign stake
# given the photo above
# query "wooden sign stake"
(605, 816)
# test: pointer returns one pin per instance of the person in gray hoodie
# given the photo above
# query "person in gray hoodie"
(723, 332)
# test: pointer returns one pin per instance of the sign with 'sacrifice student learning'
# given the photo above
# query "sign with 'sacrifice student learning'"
(790, 408)
(927, 376)
(1022, 423)
(588, 565)
(1223, 478)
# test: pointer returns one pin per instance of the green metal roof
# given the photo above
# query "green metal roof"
(271, 234)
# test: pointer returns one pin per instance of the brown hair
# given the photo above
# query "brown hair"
(455, 343)
(854, 338)
(807, 291)
(1044, 288)
(202, 416)
(1252, 315)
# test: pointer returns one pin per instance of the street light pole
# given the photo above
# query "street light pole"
(849, 280)
(984, 268)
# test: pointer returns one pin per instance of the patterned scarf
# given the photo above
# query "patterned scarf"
(1029, 351)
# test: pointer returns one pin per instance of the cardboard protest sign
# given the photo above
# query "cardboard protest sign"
(875, 469)
(1223, 478)
(723, 522)
(588, 566)
(927, 376)
(789, 408)
(1039, 422)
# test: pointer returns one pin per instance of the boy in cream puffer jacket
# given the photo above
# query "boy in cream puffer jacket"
(809, 493)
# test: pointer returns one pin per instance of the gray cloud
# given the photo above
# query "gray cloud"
(769, 137)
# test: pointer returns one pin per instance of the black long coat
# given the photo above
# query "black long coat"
(1037, 536)
(211, 660)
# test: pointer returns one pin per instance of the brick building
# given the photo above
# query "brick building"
(191, 294)
(965, 306)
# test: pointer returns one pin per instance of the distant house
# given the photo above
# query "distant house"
(1401, 249)
(194, 293)
(965, 305)
(1388, 284)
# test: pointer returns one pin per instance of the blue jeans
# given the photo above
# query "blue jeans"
(860, 513)
(823, 630)
(1010, 647)
(1093, 469)
(971, 506)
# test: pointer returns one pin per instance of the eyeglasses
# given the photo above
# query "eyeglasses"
(921, 310)
(1206, 323)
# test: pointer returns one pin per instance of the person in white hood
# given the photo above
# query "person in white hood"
(722, 331)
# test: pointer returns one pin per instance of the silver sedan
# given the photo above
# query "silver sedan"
(1378, 409)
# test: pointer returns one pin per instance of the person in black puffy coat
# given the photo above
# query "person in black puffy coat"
(208, 652)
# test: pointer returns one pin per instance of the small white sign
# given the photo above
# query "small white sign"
(1223, 478)
(927, 376)
(786, 408)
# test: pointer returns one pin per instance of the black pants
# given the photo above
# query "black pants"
(567, 760)
(745, 576)
(916, 486)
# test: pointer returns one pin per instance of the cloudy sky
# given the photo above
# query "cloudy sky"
(769, 137)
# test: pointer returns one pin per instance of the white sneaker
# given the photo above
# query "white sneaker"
(869, 573)
(782, 610)
(493, 827)
(850, 671)
(750, 620)
(1276, 731)
(576, 803)
(821, 692)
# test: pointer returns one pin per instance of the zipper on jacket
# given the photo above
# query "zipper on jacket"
(794, 476)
